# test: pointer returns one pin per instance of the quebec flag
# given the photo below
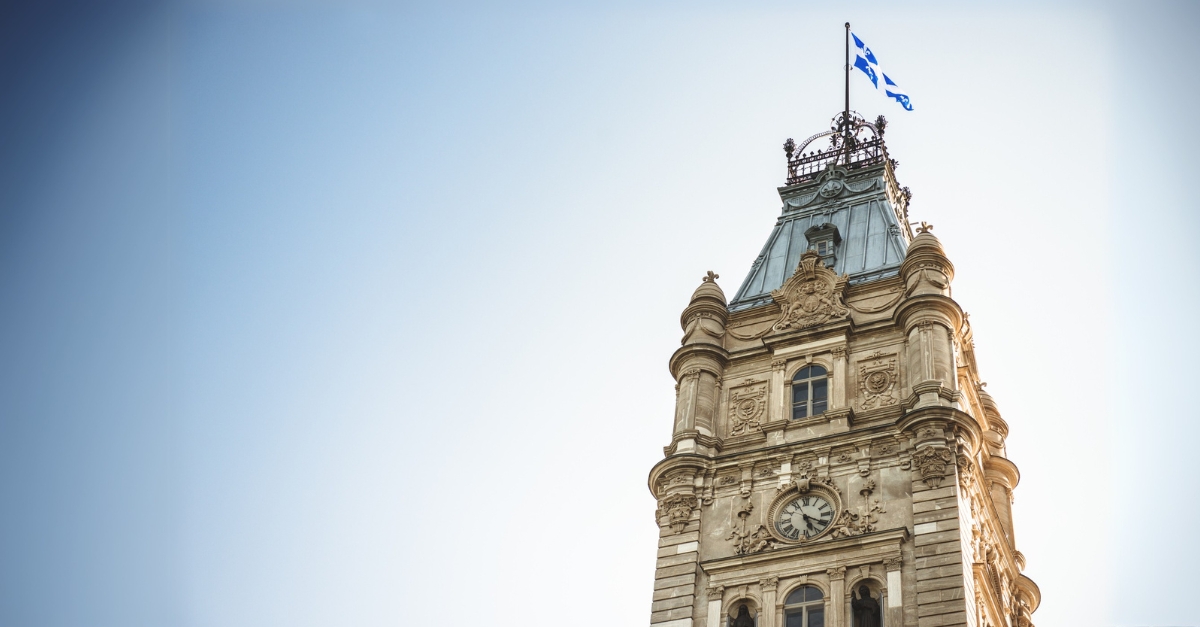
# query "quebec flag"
(865, 60)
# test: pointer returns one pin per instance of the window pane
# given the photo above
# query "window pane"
(799, 411)
(816, 617)
(819, 407)
(794, 620)
(801, 374)
(800, 393)
(797, 596)
(816, 371)
(812, 594)
(820, 389)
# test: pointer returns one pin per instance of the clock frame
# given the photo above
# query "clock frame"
(799, 491)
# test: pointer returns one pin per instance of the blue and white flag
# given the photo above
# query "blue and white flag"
(865, 60)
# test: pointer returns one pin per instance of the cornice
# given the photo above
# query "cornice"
(868, 548)
(712, 351)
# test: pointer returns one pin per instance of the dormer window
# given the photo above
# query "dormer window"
(824, 239)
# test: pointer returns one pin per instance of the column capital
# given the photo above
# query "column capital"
(837, 574)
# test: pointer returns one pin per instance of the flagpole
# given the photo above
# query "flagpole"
(846, 111)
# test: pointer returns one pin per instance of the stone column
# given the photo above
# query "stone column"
(930, 318)
(837, 597)
(1001, 476)
(698, 366)
(766, 614)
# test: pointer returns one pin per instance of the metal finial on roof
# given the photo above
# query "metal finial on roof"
(711, 278)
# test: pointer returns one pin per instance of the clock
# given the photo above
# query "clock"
(804, 516)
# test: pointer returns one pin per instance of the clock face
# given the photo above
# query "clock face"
(805, 516)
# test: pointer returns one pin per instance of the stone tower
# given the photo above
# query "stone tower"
(835, 460)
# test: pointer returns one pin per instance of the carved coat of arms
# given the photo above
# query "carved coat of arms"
(812, 296)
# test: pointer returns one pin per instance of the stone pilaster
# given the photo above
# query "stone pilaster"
(766, 614)
(675, 576)
(837, 596)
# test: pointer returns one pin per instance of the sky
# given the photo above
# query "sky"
(359, 314)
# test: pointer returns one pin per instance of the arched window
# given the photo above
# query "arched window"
(866, 607)
(804, 607)
(743, 617)
(810, 392)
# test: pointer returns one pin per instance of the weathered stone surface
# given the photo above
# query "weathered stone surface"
(670, 582)
(677, 591)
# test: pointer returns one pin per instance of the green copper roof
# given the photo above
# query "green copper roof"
(867, 240)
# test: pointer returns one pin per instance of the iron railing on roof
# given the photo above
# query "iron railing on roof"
(859, 154)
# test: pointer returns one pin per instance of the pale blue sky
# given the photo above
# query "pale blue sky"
(359, 315)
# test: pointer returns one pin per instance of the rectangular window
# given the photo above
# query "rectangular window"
(795, 619)
(816, 618)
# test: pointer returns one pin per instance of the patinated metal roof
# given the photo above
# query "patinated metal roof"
(858, 196)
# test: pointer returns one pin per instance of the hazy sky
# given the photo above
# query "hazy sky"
(359, 315)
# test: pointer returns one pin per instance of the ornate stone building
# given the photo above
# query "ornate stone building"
(835, 459)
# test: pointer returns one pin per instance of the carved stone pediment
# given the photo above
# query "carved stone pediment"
(812, 296)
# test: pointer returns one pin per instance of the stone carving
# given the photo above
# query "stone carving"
(827, 482)
(876, 380)
(769, 583)
(678, 509)
(857, 523)
(863, 521)
(727, 480)
(812, 296)
(763, 473)
(748, 542)
(779, 364)
(931, 462)
(746, 408)
(845, 457)
(892, 563)
(743, 618)
(702, 321)
(884, 449)
(836, 573)
(866, 609)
